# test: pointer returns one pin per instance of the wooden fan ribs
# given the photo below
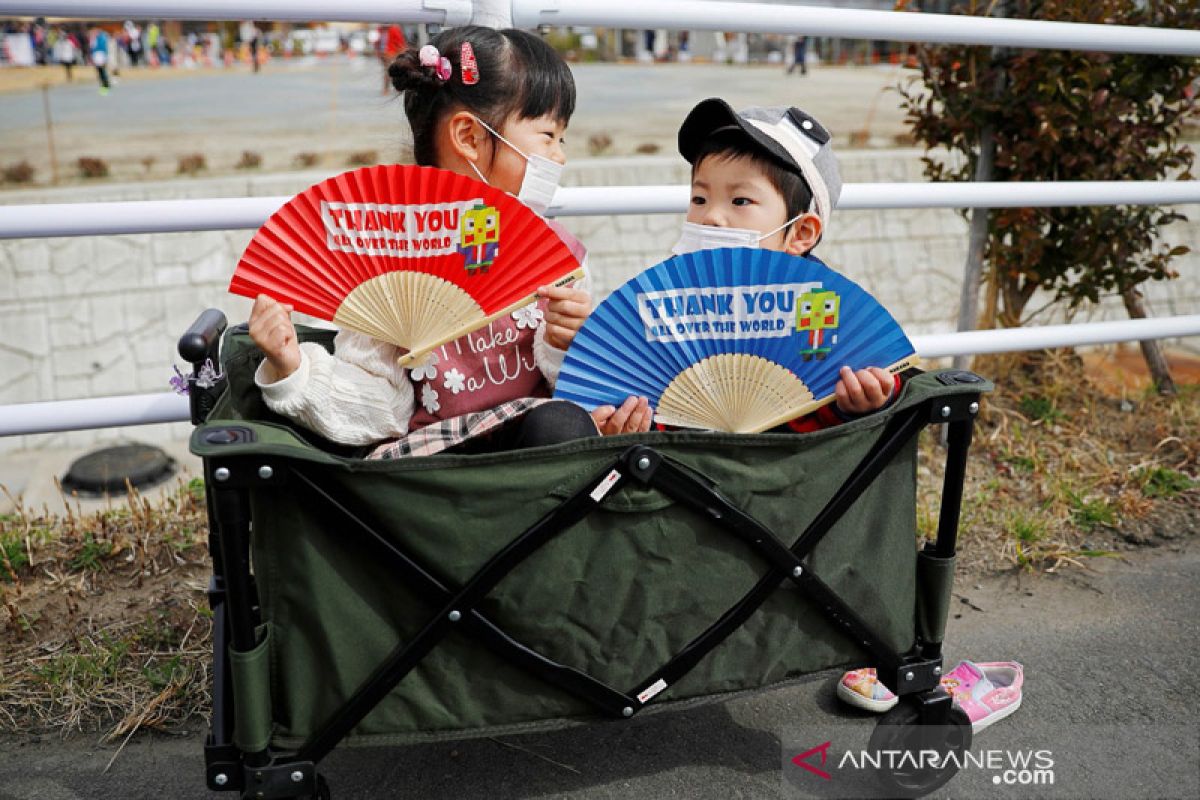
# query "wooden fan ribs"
(734, 392)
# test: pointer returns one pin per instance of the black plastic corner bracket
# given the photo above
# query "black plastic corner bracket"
(912, 676)
(956, 408)
(244, 473)
(281, 780)
(223, 767)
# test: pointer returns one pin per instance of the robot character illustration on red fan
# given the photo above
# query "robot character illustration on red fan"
(818, 312)
(480, 238)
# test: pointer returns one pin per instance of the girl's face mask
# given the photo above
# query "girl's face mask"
(541, 175)
(695, 236)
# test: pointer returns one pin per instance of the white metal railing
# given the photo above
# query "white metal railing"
(41, 220)
(715, 16)
(440, 12)
(855, 24)
(93, 412)
(144, 409)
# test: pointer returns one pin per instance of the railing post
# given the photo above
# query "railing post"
(493, 13)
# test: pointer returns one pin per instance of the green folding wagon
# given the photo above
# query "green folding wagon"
(455, 596)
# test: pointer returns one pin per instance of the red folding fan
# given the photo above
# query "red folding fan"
(415, 256)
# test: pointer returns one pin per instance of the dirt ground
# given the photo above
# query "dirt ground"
(1125, 370)
(24, 79)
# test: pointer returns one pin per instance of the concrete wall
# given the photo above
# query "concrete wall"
(94, 316)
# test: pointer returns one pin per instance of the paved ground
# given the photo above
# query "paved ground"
(1110, 661)
(336, 106)
(30, 475)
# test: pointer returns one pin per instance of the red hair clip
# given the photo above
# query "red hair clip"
(468, 65)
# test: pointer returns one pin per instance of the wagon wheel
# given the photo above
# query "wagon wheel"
(901, 730)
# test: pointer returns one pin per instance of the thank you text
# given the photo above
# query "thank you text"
(402, 231)
(722, 312)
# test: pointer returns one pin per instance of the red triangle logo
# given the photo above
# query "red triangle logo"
(802, 760)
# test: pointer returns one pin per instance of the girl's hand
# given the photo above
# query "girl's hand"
(565, 314)
(272, 330)
(863, 391)
(634, 416)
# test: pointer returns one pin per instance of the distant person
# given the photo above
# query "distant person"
(252, 36)
(98, 49)
(391, 43)
(66, 51)
(193, 54)
(799, 55)
(212, 49)
(256, 47)
(133, 43)
(39, 36)
(156, 44)
(720, 47)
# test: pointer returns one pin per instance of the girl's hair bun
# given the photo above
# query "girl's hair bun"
(407, 74)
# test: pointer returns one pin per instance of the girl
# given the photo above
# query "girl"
(501, 121)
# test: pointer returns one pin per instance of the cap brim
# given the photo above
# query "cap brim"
(714, 114)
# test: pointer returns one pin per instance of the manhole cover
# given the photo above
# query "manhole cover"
(105, 471)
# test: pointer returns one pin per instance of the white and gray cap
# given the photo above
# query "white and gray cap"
(790, 136)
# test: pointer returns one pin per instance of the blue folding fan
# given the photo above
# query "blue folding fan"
(735, 339)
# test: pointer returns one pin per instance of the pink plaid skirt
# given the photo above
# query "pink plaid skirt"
(447, 433)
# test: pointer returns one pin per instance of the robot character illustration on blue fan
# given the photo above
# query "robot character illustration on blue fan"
(818, 312)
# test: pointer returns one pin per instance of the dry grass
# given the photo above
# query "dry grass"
(103, 621)
(1062, 471)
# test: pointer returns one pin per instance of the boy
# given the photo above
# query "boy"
(767, 177)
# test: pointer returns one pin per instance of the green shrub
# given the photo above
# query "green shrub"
(1160, 482)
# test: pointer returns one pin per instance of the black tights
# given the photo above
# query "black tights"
(550, 423)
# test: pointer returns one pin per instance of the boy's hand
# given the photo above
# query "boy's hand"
(565, 314)
(272, 330)
(863, 391)
(634, 416)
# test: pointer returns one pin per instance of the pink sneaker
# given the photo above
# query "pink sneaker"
(986, 692)
(862, 689)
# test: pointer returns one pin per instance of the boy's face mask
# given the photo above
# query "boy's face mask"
(541, 175)
(695, 236)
